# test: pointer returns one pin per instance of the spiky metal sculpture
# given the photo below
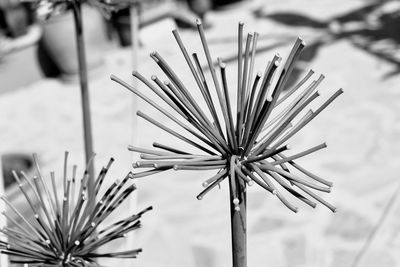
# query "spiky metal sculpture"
(246, 146)
(67, 227)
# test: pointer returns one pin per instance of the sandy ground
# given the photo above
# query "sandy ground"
(361, 129)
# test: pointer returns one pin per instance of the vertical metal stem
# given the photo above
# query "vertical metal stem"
(238, 226)
(134, 21)
(3, 257)
(83, 80)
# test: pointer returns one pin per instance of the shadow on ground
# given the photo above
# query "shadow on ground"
(373, 28)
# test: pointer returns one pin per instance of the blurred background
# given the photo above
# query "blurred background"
(354, 43)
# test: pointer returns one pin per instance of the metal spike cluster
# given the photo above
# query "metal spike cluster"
(67, 227)
(247, 146)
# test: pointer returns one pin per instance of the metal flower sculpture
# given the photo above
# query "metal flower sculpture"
(246, 144)
(68, 230)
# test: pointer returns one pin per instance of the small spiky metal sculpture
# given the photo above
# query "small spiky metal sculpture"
(246, 147)
(67, 231)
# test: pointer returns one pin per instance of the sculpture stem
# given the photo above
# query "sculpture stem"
(238, 225)
(83, 80)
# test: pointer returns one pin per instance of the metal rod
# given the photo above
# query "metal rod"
(83, 81)
(238, 224)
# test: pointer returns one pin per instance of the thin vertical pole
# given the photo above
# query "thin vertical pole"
(83, 80)
(238, 225)
(134, 21)
(3, 257)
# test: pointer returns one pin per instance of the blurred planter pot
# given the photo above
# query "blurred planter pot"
(121, 22)
(59, 42)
